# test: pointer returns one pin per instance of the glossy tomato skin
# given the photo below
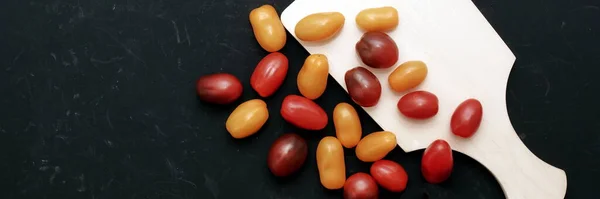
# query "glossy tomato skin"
(363, 86)
(247, 118)
(466, 118)
(219, 88)
(418, 105)
(377, 50)
(437, 162)
(267, 28)
(303, 113)
(361, 186)
(269, 74)
(331, 163)
(390, 175)
(287, 155)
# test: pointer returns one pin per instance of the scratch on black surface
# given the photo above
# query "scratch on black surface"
(108, 119)
(123, 46)
(212, 186)
(109, 61)
(109, 143)
(187, 35)
(171, 167)
(588, 7)
(547, 82)
(82, 183)
(179, 64)
(231, 48)
(158, 131)
(189, 182)
(28, 87)
(53, 176)
(29, 125)
(74, 58)
(17, 57)
(176, 31)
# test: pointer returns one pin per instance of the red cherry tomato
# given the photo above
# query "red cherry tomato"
(269, 74)
(363, 86)
(287, 155)
(303, 113)
(466, 118)
(219, 88)
(360, 186)
(418, 105)
(377, 50)
(390, 175)
(437, 162)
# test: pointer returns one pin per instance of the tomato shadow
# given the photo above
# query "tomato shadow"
(338, 193)
(315, 134)
(210, 107)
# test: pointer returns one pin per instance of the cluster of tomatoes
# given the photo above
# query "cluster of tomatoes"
(376, 50)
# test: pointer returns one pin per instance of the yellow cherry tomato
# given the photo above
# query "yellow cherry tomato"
(312, 78)
(375, 146)
(247, 118)
(330, 163)
(408, 75)
(347, 125)
(267, 27)
(319, 26)
(377, 19)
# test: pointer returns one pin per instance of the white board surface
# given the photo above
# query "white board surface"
(466, 59)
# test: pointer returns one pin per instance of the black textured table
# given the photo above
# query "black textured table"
(98, 101)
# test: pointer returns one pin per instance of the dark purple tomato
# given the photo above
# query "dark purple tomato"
(219, 88)
(360, 186)
(418, 105)
(377, 50)
(363, 86)
(466, 118)
(390, 175)
(287, 155)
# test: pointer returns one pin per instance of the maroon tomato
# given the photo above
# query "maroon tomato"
(418, 105)
(377, 50)
(390, 175)
(437, 162)
(466, 118)
(360, 186)
(287, 155)
(269, 74)
(219, 88)
(303, 113)
(363, 86)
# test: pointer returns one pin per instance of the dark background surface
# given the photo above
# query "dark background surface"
(98, 101)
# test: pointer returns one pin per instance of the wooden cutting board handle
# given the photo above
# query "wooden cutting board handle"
(520, 173)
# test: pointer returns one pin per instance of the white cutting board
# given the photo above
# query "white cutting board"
(466, 59)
